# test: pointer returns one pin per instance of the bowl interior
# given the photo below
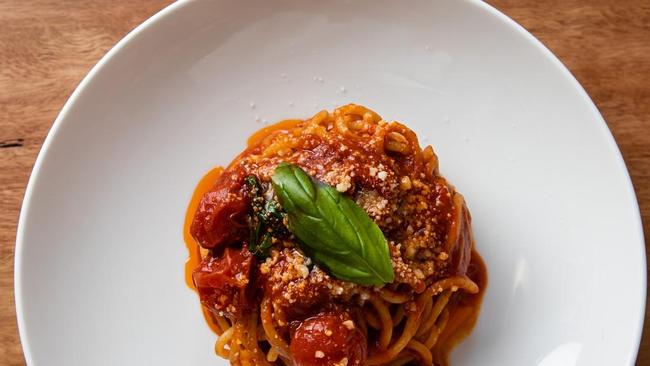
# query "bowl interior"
(99, 266)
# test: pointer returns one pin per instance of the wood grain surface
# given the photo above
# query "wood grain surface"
(47, 47)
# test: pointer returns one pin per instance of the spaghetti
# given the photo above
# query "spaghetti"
(282, 308)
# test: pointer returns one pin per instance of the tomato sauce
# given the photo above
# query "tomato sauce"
(284, 125)
(194, 259)
(464, 315)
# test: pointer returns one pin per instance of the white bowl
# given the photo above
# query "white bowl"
(100, 255)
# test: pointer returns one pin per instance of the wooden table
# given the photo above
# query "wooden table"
(47, 47)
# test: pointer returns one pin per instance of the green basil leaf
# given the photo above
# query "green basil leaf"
(256, 228)
(266, 220)
(262, 249)
(332, 228)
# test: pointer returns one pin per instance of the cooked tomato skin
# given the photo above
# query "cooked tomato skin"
(220, 219)
(327, 339)
(222, 282)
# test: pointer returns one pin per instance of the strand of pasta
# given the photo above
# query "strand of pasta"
(421, 350)
(386, 321)
(408, 332)
(222, 322)
(251, 340)
(426, 312)
(399, 315)
(372, 320)
(456, 283)
(394, 297)
(401, 359)
(272, 336)
(272, 355)
(233, 355)
(435, 333)
(223, 341)
(441, 302)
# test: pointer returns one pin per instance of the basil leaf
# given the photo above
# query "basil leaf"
(333, 229)
(256, 228)
(266, 220)
(273, 217)
(261, 250)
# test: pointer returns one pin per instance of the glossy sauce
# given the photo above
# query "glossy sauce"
(194, 259)
(260, 135)
(464, 315)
